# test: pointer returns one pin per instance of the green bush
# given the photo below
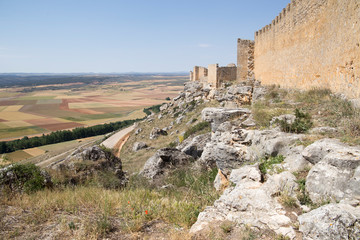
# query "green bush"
(26, 177)
(301, 124)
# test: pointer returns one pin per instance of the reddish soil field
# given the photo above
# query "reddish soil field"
(44, 121)
(61, 126)
(8, 103)
(2, 120)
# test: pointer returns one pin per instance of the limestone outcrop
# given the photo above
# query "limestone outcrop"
(163, 160)
(330, 222)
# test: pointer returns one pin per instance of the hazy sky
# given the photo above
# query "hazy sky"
(65, 36)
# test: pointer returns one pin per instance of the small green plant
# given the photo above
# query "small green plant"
(72, 225)
(167, 99)
(267, 163)
(301, 124)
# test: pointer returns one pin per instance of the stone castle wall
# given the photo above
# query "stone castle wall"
(245, 60)
(218, 75)
(312, 43)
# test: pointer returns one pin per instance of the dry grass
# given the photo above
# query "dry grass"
(129, 210)
(325, 109)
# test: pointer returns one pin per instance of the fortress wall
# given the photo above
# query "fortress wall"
(245, 59)
(198, 73)
(217, 75)
(312, 43)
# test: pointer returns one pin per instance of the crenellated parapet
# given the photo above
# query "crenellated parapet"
(312, 44)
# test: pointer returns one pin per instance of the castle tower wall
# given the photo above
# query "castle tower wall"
(245, 59)
(312, 44)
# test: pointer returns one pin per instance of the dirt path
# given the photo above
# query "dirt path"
(112, 141)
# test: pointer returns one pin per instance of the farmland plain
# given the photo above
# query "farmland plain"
(42, 108)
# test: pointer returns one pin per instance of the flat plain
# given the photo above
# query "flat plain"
(32, 111)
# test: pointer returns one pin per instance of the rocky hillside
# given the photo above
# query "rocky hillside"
(290, 177)
(239, 162)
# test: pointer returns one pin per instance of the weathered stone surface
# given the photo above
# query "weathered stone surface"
(216, 116)
(284, 182)
(139, 145)
(164, 159)
(250, 172)
(315, 152)
(295, 162)
(248, 203)
(331, 222)
(231, 146)
(195, 146)
(334, 178)
(156, 132)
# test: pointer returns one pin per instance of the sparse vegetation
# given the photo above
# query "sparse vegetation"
(202, 126)
(301, 124)
(267, 163)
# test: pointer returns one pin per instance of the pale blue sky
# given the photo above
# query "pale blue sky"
(65, 36)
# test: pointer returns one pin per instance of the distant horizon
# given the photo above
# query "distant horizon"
(119, 36)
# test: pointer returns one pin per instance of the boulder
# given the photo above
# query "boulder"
(336, 177)
(195, 146)
(179, 119)
(336, 174)
(164, 107)
(156, 132)
(315, 152)
(246, 204)
(295, 162)
(137, 131)
(163, 160)
(139, 145)
(284, 182)
(331, 222)
(216, 116)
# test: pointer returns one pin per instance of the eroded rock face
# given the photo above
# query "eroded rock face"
(216, 116)
(195, 146)
(336, 174)
(331, 222)
(248, 203)
(163, 160)
(85, 163)
(232, 147)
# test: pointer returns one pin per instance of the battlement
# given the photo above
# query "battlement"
(294, 14)
(312, 44)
